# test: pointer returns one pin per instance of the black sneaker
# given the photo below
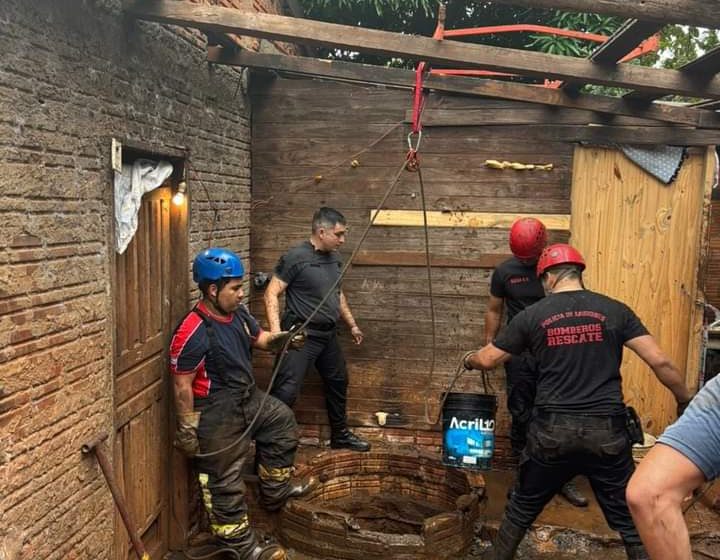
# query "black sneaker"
(347, 440)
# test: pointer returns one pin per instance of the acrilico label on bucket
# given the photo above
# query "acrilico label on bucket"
(469, 443)
(468, 422)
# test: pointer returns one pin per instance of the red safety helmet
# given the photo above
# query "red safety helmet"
(560, 253)
(527, 238)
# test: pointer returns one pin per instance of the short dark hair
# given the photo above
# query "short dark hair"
(221, 283)
(326, 217)
(566, 270)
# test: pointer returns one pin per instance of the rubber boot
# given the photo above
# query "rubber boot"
(636, 552)
(276, 486)
(248, 547)
(571, 493)
(300, 488)
(506, 542)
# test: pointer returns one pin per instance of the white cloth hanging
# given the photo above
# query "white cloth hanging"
(135, 180)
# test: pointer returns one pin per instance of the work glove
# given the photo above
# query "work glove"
(681, 406)
(277, 343)
(186, 439)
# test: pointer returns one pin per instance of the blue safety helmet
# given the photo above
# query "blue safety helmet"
(215, 263)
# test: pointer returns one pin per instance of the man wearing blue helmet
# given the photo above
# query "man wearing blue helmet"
(216, 400)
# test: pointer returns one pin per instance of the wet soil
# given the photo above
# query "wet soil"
(387, 513)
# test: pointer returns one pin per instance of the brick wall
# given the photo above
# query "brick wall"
(73, 74)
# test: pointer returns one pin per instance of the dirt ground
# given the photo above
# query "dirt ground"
(562, 532)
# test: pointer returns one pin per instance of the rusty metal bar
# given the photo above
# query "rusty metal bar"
(94, 446)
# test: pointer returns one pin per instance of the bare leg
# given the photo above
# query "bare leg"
(655, 494)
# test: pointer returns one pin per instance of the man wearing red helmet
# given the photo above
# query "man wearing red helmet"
(515, 286)
(579, 424)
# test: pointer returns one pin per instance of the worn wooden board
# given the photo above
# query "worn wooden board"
(413, 258)
(604, 108)
(529, 63)
(641, 240)
(302, 128)
(462, 219)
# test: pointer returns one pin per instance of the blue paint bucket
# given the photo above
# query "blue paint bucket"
(468, 424)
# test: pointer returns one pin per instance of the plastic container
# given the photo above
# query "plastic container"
(468, 424)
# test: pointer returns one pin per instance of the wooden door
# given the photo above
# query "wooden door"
(643, 243)
(143, 292)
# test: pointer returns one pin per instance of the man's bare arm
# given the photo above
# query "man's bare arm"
(182, 389)
(667, 373)
(488, 357)
(493, 316)
(274, 290)
(347, 316)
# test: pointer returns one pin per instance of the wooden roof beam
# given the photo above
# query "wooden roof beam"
(623, 41)
(397, 77)
(703, 13)
(712, 105)
(703, 67)
(453, 53)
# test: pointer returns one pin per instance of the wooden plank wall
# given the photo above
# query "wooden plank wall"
(303, 128)
(712, 273)
(642, 242)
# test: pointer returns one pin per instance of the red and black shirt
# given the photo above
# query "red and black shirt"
(235, 335)
(577, 339)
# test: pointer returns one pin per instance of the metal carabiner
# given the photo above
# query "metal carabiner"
(409, 141)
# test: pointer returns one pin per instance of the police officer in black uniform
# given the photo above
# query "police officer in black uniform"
(579, 423)
(305, 274)
(514, 285)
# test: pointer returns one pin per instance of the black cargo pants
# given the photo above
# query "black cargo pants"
(321, 349)
(561, 446)
(224, 417)
(521, 380)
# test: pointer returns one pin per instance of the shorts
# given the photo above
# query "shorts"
(696, 434)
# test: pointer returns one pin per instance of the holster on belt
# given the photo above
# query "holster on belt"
(289, 320)
(634, 426)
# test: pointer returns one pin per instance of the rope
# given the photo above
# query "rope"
(338, 165)
(307, 321)
(418, 99)
(428, 268)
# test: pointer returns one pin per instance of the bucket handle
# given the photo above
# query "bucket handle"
(486, 381)
(461, 370)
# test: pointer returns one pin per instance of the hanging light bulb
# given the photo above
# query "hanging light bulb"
(179, 197)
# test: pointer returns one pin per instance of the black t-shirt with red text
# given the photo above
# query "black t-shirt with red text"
(517, 284)
(577, 340)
